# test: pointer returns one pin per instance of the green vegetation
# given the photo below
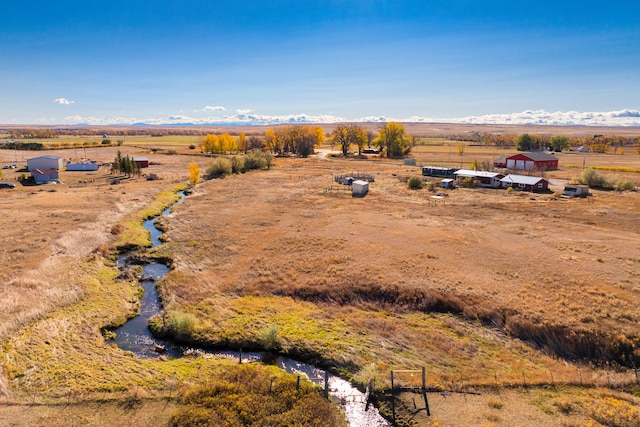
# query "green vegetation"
(415, 183)
(131, 232)
(219, 168)
(222, 166)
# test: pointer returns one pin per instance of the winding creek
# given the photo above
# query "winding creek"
(135, 336)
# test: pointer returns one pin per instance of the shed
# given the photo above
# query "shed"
(44, 176)
(525, 183)
(359, 188)
(448, 183)
(143, 162)
(528, 161)
(577, 190)
(44, 163)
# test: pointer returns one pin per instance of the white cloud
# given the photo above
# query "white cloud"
(64, 101)
(624, 117)
(540, 117)
(213, 108)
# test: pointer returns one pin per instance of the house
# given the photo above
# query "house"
(359, 188)
(143, 162)
(44, 176)
(44, 163)
(485, 178)
(525, 183)
(527, 161)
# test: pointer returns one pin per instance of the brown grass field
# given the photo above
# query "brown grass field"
(489, 290)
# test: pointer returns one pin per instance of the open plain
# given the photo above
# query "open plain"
(523, 298)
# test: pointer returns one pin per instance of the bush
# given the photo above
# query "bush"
(625, 185)
(255, 160)
(219, 168)
(415, 183)
(269, 338)
(237, 164)
(192, 147)
(106, 141)
(594, 180)
(182, 323)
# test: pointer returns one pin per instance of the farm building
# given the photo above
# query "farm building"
(143, 162)
(438, 171)
(486, 178)
(527, 161)
(448, 183)
(359, 188)
(525, 183)
(44, 176)
(44, 163)
(85, 166)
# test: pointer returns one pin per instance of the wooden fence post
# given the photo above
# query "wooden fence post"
(424, 390)
(393, 400)
(326, 384)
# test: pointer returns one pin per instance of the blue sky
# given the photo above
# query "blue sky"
(226, 61)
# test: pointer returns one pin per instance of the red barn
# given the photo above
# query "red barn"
(143, 162)
(527, 161)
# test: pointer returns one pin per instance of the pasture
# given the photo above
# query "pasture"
(477, 287)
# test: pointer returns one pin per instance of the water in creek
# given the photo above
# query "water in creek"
(136, 337)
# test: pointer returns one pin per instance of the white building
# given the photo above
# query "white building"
(45, 163)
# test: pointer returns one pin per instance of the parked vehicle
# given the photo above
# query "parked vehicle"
(7, 185)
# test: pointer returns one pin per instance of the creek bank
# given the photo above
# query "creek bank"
(137, 337)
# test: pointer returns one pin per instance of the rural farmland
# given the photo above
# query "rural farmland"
(522, 308)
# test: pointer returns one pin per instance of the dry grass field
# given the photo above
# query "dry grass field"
(488, 289)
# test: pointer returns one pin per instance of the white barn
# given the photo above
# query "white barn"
(47, 162)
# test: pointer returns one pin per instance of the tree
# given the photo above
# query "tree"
(298, 139)
(559, 143)
(393, 140)
(194, 173)
(460, 148)
(526, 142)
(209, 143)
(242, 142)
(345, 136)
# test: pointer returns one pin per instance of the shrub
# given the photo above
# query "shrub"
(106, 141)
(269, 337)
(181, 323)
(625, 185)
(415, 183)
(192, 147)
(237, 164)
(255, 160)
(593, 179)
(219, 168)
